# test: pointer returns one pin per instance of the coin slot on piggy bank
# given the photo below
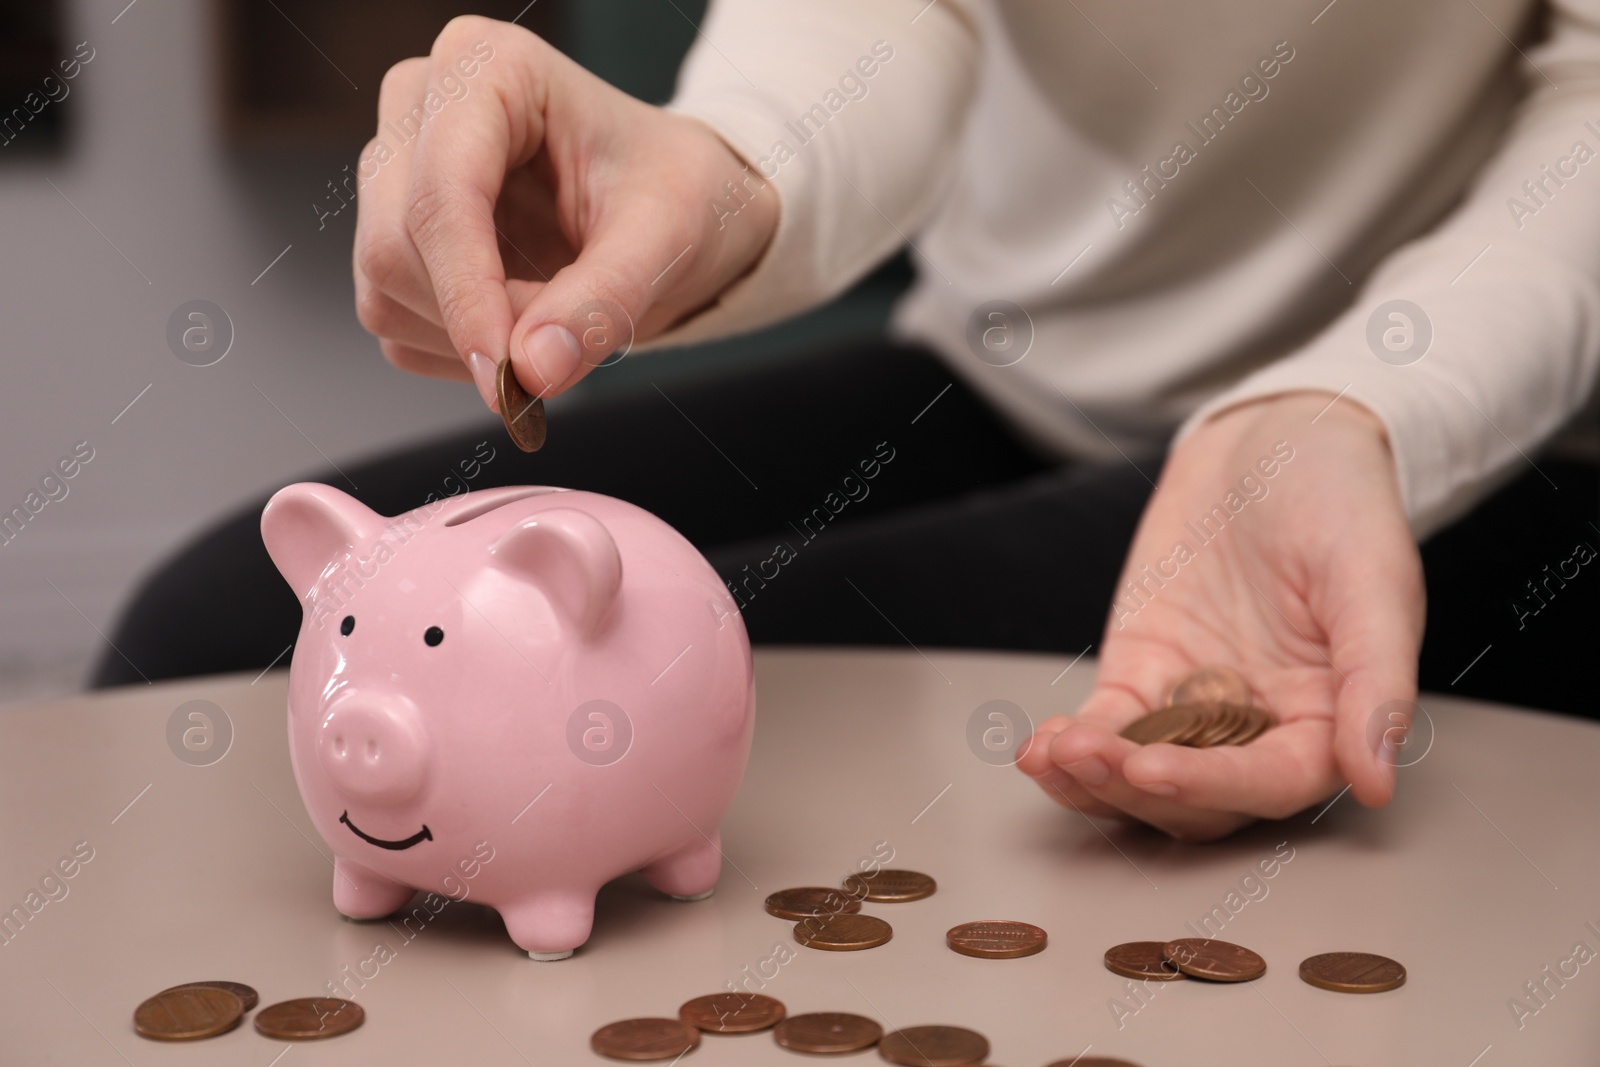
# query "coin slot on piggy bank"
(548, 677)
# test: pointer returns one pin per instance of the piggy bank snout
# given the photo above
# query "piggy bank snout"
(374, 748)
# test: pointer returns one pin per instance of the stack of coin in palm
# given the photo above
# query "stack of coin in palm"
(1211, 706)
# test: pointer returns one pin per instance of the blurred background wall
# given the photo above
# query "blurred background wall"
(193, 157)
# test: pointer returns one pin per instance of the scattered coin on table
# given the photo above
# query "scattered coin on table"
(732, 1013)
(891, 886)
(1141, 959)
(827, 1032)
(1353, 972)
(645, 1039)
(188, 1013)
(1093, 1061)
(996, 939)
(803, 902)
(843, 933)
(1211, 684)
(1216, 961)
(248, 996)
(934, 1046)
(523, 413)
(310, 1018)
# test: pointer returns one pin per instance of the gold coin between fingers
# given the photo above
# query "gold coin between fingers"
(522, 412)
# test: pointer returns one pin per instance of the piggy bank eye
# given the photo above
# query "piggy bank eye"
(347, 625)
(433, 635)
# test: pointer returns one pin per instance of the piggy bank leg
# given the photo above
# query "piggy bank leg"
(691, 872)
(362, 894)
(549, 926)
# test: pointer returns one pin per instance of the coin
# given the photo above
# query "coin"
(806, 901)
(1164, 725)
(309, 1018)
(1141, 959)
(827, 1032)
(523, 413)
(891, 887)
(1200, 725)
(1226, 722)
(934, 1046)
(843, 933)
(1211, 684)
(188, 1013)
(1093, 1061)
(732, 1013)
(1260, 722)
(996, 939)
(248, 996)
(645, 1039)
(1353, 972)
(1205, 719)
(1218, 961)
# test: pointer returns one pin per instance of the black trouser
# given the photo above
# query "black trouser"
(865, 497)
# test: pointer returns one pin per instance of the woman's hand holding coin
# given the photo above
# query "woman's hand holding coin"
(1312, 593)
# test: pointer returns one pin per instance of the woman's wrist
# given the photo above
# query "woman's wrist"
(1286, 410)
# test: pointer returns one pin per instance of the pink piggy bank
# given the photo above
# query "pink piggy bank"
(517, 693)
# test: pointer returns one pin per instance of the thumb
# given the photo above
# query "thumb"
(589, 311)
(1374, 643)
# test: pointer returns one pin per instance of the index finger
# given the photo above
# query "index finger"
(479, 128)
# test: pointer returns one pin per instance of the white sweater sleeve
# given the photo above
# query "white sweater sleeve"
(1508, 285)
(851, 111)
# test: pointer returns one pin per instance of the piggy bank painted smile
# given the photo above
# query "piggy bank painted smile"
(555, 679)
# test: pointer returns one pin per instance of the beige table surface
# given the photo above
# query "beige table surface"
(1484, 871)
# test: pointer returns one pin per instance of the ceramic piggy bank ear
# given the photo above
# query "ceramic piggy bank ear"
(570, 557)
(307, 525)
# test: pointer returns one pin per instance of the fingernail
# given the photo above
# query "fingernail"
(483, 373)
(1385, 746)
(1161, 789)
(554, 353)
(1091, 771)
(1053, 778)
